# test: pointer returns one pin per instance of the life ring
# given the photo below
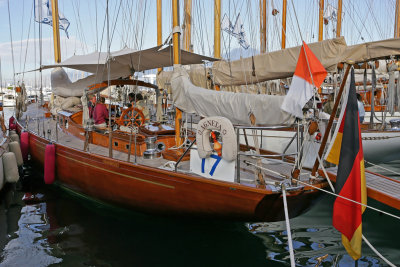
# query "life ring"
(225, 127)
(130, 115)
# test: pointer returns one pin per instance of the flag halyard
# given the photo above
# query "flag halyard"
(350, 181)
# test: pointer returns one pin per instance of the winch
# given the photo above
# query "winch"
(152, 150)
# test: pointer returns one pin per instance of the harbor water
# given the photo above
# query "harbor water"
(43, 225)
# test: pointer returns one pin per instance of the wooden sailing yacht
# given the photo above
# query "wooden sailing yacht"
(227, 183)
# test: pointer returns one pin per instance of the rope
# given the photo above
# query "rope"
(363, 237)
(377, 252)
(326, 175)
(336, 195)
(383, 168)
(289, 234)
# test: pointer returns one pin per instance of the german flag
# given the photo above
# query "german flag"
(350, 180)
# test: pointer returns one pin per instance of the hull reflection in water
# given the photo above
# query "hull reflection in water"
(314, 237)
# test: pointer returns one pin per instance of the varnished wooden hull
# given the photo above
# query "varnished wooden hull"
(154, 190)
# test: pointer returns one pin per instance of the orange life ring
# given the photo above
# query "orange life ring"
(130, 115)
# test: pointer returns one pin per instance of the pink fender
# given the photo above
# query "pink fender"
(25, 145)
(49, 163)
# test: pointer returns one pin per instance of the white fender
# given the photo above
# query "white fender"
(10, 167)
(16, 149)
(14, 137)
(222, 125)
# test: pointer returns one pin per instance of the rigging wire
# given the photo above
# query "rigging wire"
(352, 20)
(12, 46)
(27, 42)
(22, 34)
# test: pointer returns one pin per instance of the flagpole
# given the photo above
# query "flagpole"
(331, 118)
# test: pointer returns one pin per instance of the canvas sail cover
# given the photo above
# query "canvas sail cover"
(126, 61)
(275, 65)
(61, 85)
(234, 106)
(281, 64)
(122, 64)
(372, 50)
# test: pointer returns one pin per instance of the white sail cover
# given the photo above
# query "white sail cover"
(234, 106)
(62, 86)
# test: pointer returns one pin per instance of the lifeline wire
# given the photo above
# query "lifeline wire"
(383, 168)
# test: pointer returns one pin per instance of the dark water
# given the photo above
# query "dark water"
(62, 229)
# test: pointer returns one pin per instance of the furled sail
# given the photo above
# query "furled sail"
(126, 61)
(234, 106)
(275, 65)
(372, 50)
(122, 64)
(63, 86)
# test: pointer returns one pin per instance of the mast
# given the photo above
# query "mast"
(284, 7)
(321, 21)
(159, 25)
(263, 26)
(187, 37)
(397, 20)
(175, 39)
(56, 31)
(217, 28)
(339, 19)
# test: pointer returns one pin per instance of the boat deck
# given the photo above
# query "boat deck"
(47, 127)
(379, 187)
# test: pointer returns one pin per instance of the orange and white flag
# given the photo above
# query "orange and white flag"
(308, 70)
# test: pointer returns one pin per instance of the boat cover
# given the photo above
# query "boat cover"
(372, 50)
(62, 85)
(234, 106)
(275, 65)
(281, 64)
(126, 61)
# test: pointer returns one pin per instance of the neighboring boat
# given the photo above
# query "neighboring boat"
(8, 100)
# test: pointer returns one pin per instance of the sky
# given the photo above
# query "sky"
(133, 24)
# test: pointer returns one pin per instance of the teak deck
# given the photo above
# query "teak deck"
(379, 187)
